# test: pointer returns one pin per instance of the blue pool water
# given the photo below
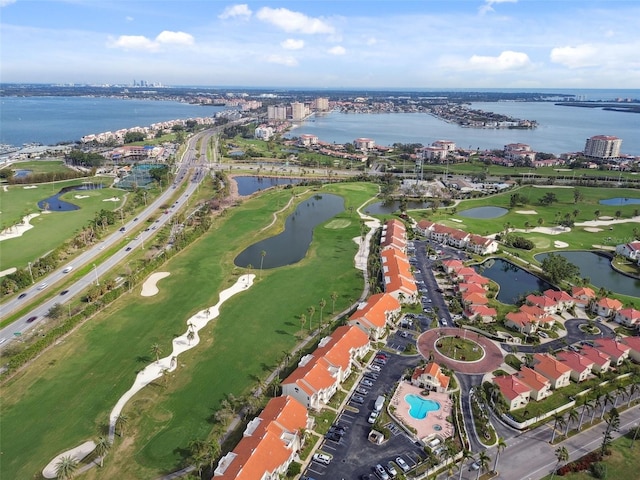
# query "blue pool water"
(419, 407)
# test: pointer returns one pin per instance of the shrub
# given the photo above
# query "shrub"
(599, 470)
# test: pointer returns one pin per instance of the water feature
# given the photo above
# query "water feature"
(54, 204)
(386, 208)
(597, 267)
(484, 212)
(514, 281)
(420, 407)
(620, 201)
(21, 173)
(292, 244)
(251, 184)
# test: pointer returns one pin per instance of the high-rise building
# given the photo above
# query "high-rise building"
(277, 112)
(603, 146)
(322, 104)
(298, 111)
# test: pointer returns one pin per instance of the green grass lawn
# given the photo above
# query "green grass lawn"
(459, 349)
(41, 166)
(65, 396)
(52, 229)
(623, 463)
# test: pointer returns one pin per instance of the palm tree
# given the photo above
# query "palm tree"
(263, 254)
(596, 403)
(322, 304)
(156, 350)
(562, 454)
(213, 451)
(198, 454)
(606, 398)
(190, 336)
(483, 461)
(466, 455)
(311, 311)
(620, 392)
(558, 421)
(500, 446)
(586, 405)
(633, 389)
(102, 448)
(121, 423)
(334, 297)
(303, 321)
(66, 467)
(572, 416)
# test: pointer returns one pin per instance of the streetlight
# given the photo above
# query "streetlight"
(635, 434)
(30, 272)
(95, 270)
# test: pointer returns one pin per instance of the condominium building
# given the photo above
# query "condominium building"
(298, 111)
(322, 104)
(603, 146)
(277, 112)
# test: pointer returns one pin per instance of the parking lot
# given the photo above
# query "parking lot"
(353, 455)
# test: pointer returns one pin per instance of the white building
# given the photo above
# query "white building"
(277, 112)
(298, 111)
(603, 146)
(263, 132)
(364, 144)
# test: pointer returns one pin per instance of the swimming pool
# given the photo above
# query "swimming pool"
(419, 407)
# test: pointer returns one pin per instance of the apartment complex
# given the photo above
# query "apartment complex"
(603, 146)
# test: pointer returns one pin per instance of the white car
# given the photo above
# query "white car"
(375, 368)
(372, 417)
(42, 286)
(391, 469)
(402, 464)
(68, 269)
(322, 458)
(381, 472)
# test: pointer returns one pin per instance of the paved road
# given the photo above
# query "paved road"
(188, 162)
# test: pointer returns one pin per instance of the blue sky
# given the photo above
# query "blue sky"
(324, 44)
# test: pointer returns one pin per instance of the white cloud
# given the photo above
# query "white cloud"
(175, 38)
(337, 50)
(128, 19)
(290, 21)
(575, 57)
(488, 5)
(4, 3)
(140, 42)
(286, 60)
(292, 44)
(507, 60)
(371, 41)
(133, 42)
(241, 10)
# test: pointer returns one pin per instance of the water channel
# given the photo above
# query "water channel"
(251, 183)
(514, 281)
(54, 204)
(597, 267)
(292, 244)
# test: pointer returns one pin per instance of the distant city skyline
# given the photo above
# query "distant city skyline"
(324, 44)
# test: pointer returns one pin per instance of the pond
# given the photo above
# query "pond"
(484, 212)
(597, 267)
(292, 244)
(21, 173)
(514, 282)
(251, 184)
(620, 201)
(54, 204)
(387, 208)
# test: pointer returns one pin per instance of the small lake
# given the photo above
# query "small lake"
(484, 212)
(292, 244)
(620, 201)
(597, 268)
(251, 184)
(386, 208)
(515, 282)
(56, 205)
(21, 173)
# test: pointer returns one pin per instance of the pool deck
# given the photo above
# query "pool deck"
(425, 427)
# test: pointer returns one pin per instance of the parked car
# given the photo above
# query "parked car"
(322, 458)
(333, 436)
(372, 417)
(381, 472)
(371, 375)
(475, 466)
(402, 464)
(367, 383)
(375, 368)
(391, 469)
(357, 399)
(362, 391)
(543, 335)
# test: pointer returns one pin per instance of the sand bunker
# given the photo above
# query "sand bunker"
(559, 244)
(30, 186)
(605, 219)
(15, 231)
(78, 453)
(592, 229)
(455, 220)
(527, 212)
(112, 199)
(80, 196)
(8, 271)
(557, 230)
(149, 288)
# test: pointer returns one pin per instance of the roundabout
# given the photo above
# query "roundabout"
(487, 357)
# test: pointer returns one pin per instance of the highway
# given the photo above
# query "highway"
(189, 161)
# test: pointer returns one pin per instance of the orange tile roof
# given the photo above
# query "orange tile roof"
(520, 318)
(583, 292)
(610, 303)
(575, 361)
(482, 310)
(266, 448)
(632, 342)
(376, 309)
(532, 378)
(475, 278)
(594, 355)
(475, 298)
(434, 370)
(541, 301)
(549, 366)
(532, 310)
(511, 387)
(338, 350)
(558, 295)
(470, 288)
(611, 347)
